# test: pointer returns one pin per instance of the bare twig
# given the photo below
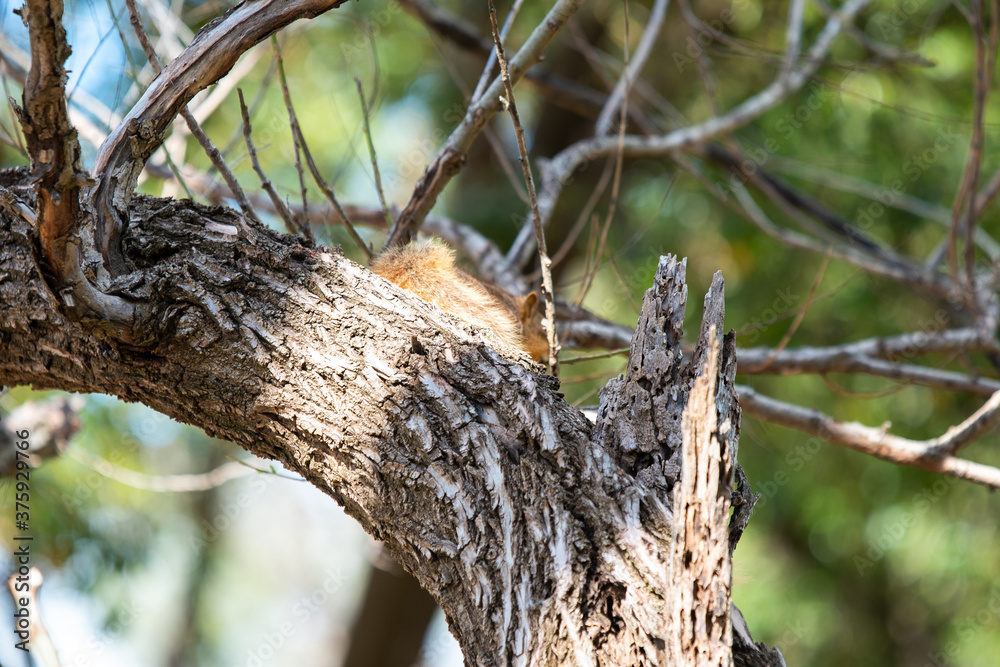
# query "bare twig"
(791, 200)
(793, 37)
(193, 125)
(543, 257)
(919, 277)
(490, 67)
(313, 169)
(162, 483)
(783, 343)
(901, 346)
(633, 66)
(983, 81)
(451, 156)
(371, 152)
(934, 455)
(302, 221)
(591, 357)
(904, 373)
(619, 161)
(585, 213)
(265, 183)
(884, 51)
(207, 59)
(571, 158)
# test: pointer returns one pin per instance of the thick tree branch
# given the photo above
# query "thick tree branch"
(540, 547)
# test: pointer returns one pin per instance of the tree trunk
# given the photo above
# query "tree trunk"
(545, 539)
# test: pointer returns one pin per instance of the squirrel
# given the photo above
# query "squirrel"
(427, 268)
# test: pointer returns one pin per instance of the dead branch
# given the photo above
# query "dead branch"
(934, 455)
(548, 292)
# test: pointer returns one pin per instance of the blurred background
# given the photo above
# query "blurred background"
(848, 560)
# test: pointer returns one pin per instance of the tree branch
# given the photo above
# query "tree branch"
(207, 59)
(518, 522)
(933, 455)
(634, 67)
(567, 161)
(56, 170)
(451, 156)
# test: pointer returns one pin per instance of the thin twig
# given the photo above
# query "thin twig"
(210, 150)
(571, 158)
(302, 224)
(585, 213)
(314, 170)
(451, 156)
(265, 183)
(163, 483)
(619, 163)
(371, 152)
(543, 259)
(633, 65)
(490, 66)
(783, 343)
(884, 51)
(934, 455)
(303, 221)
(919, 277)
(499, 151)
(982, 89)
(591, 357)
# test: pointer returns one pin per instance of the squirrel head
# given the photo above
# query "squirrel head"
(535, 341)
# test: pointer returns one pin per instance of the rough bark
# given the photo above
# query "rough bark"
(544, 544)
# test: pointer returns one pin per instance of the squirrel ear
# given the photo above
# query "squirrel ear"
(529, 305)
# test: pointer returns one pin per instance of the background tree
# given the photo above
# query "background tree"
(748, 114)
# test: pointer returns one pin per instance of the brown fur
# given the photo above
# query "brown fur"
(427, 269)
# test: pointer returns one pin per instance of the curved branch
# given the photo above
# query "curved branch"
(536, 540)
(207, 59)
(934, 455)
(563, 165)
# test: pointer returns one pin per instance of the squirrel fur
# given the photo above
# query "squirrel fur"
(427, 268)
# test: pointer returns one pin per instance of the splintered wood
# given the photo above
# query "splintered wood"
(700, 569)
